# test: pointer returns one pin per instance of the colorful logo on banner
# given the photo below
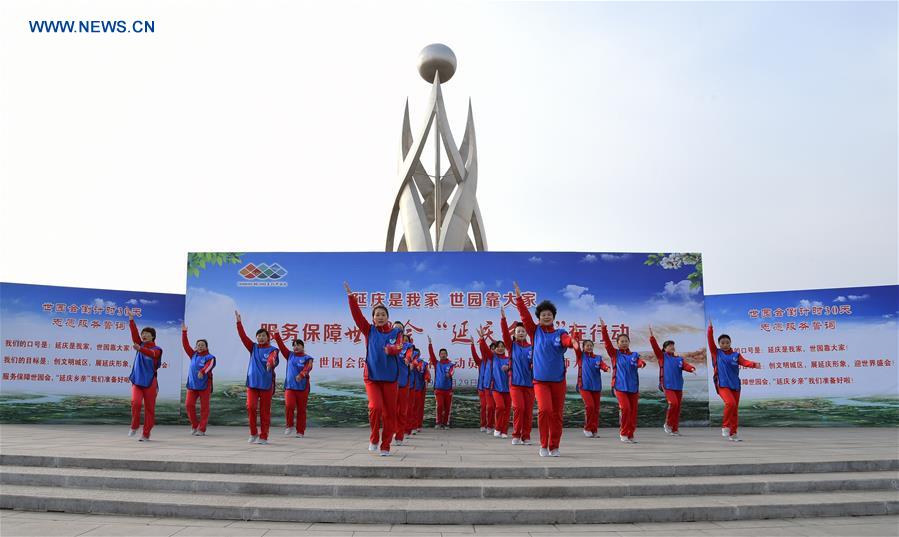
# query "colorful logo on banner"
(262, 274)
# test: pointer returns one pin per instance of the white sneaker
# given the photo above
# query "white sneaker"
(384, 453)
(299, 435)
(201, 433)
(262, 442)
(588, 434)
(143, 439)
(734, 438)
(543, 452)
(483, 429)
(489, 430)
(288, 431)
(398, 443)
(527, 442)
(252, 439)
(632, 440)
(675, 433)
(438, 426)
(666, 428)
(624, 439)
(517, 442)
(497, 434)
(193, 432)
(725, 432)
(596, 435)
(504, 435)
(132, 432)
(554, 453)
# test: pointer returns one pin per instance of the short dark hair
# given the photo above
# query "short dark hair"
(150, 330)
(380, 307)
(621, 335)
(443, 350)
(300, 341)
(665, 345)
(546, 305)
(204, 341)
(263, 330)
(722, 336)
(586, 340)
(396, 322)
(493, 344)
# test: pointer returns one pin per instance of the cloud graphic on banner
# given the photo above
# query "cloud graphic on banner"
(477, 285)
(141, 301)
(810, 303)
(100, 303)
(589, 258)
(681, 290)
(579, 299)
(402, 285)
(613, 257)
(420, 267)
(852, 298)
(535, 259)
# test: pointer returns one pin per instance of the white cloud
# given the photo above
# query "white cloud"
(840, 298)
(477, 285)
(420, 267)
(535, 259)
(858, 297)
(589, 258)
(142, 301)
(809, 303)
(499, 283)
(613, 257)
(402, 285)
(681, 289)
(104, 303)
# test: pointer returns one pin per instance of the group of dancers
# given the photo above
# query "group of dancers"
(526, 365)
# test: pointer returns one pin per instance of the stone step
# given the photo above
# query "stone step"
(209, 483)
(396, 468)
(455, 511)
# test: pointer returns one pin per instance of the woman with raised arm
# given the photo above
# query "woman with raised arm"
(522, 389)
(443, 385)
(296, 384)
(144, 387)
(550, 344)
(383, 343)
(199, 382)
(403, 386)
(589, 384)
(260, 380)
(625, 381)
(502, 370)
(671, 380)
(484, 397)
(726, 363)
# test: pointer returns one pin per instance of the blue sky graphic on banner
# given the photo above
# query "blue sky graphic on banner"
(829, 356)
(65, 348)
(444, 295)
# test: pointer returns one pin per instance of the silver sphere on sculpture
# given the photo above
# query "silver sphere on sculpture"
(435, 58)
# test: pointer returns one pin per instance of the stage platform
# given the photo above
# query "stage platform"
(459, 476)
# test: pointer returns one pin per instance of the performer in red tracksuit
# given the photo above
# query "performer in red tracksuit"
(404, 388)
(522, 380)
(260, 381)
(671, 380)
(726, 364)
(485, 397)
(199, 382)
(296, 384)
(383, 343)
(500, 381)
(144, 387)
(550, 344)
(589, 384)
(625, 381)
(443, 385)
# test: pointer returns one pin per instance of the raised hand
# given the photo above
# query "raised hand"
(130, 315)
(429, 340)
(650, 331)
(347, 287)
(517, 289)
(237, 315)
(183, 327)
(602, 324)
(502, 311)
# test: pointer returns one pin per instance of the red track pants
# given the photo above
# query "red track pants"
(482, 397)
(491, 408)
(261, 399)
(402, 408)
(295, 401)
(145, 397)
(550, 405)
(522, 411)
(731, 400)
(191, 404)
(672, 417)
(381, 408)
(502, 402)
(591, 410)
(627, 402)
(444, 399)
